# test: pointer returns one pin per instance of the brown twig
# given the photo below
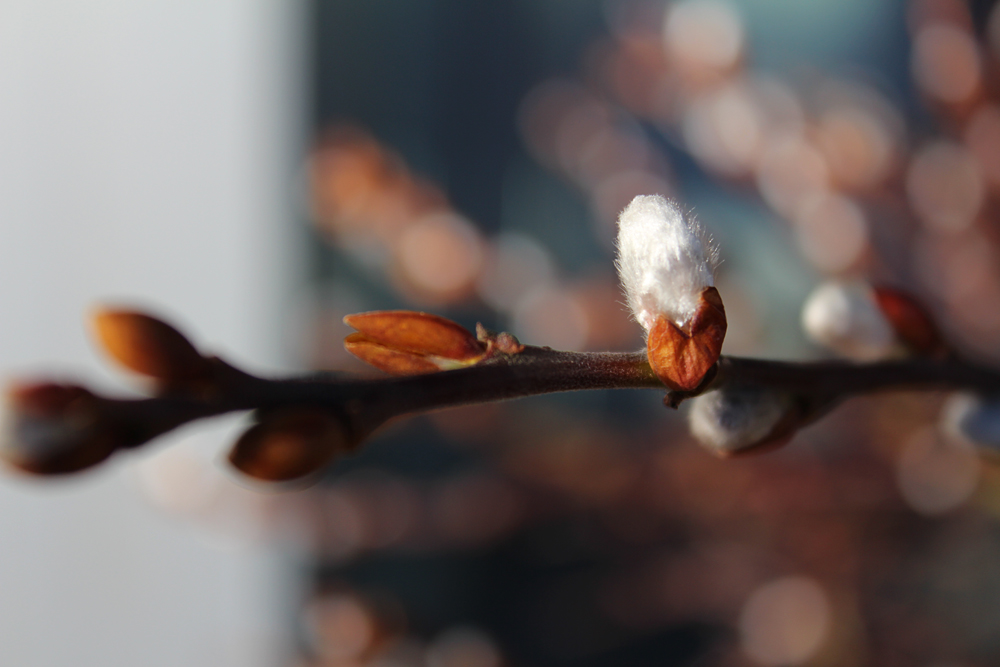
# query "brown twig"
(368, 403)
(351, 408)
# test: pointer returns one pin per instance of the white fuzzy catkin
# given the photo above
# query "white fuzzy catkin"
(665, 260)
(735, 417)
(844, 317)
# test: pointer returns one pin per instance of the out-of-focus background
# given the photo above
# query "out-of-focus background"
(257, 170)
(149, 156)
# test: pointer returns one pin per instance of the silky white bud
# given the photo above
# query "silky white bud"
(737, 417)
(974, 418)
(846, 318)
(665, 260)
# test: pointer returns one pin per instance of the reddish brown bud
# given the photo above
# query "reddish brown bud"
(52, 429)
(682, 357)
(290, 445)
(148, 346)
(387, 359)
(420, 333)
(913, 325)
(405, 342)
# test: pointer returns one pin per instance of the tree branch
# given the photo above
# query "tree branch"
(368, 403)
(359, 406)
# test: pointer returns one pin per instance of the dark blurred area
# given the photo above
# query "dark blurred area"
(470, 159)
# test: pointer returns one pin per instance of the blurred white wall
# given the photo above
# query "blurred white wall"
(147, 149)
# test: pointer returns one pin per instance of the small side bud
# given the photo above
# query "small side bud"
(290, 445)
(405, 342)
(666, 263)
(49, 429)
(846, 318)
(149, 346)
(738, 418)
(502, 342)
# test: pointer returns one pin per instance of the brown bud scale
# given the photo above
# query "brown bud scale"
(387, 359)
(418, 333)
(910, 320)
(682, 357)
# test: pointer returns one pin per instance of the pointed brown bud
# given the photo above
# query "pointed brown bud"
(420, 333)
(149, 346)
(387, 359)
(681, 357)
(913, 325)
(52, 429)
(405, 342)
(290, 444)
